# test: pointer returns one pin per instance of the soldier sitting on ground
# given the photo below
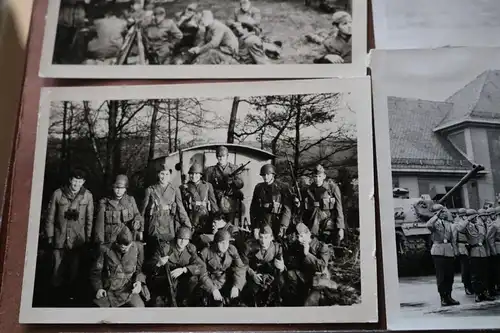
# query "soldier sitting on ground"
(116, 275)
(185, 268)
(219, 223)
(224, 275)
(251, 46)
(116, 211)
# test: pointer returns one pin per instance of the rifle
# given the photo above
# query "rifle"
(294, 179)
(234, 173)
(169, 280)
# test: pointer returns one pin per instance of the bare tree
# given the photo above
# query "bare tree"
(232, 119)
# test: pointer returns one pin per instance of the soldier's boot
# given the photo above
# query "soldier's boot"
(488, 297)
(452, 301)
(444, 300)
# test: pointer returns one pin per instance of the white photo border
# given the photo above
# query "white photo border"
(360, 101)
(394, 320)
(275, 71)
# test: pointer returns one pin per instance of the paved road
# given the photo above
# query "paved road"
(419, 297)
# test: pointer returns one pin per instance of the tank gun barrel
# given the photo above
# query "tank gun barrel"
(476, 169)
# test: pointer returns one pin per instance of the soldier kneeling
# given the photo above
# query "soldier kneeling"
(116, 276)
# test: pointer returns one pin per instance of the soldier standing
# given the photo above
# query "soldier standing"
(227, 184)
(270, 203)
(463, 253)
(224, 275)
(201, 199)
(68, 229)
(117, 273)
(116, 212)
(443, 252)
(163, 210)
(264, 259)
(184, 266)
(490, 240)
(493, 237)
(323, 213)
(478, 252)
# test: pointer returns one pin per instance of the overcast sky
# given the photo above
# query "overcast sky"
(435, 23)
(431, 74)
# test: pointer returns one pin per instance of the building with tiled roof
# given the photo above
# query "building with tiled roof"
(434, 144)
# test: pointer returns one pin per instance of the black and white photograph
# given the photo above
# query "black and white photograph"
(204, 39)
(254, 197)
(409, 24)
(438, 144)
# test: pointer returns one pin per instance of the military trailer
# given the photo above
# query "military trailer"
(413, 241)
(181, 161)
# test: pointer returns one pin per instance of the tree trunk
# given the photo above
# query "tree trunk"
(152, 133)
(298, 110)
(112, 139)
(177, 115)
(64, 143)
(232, 120)
(169, 114)
(68, 135)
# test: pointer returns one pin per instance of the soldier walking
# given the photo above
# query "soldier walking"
(493, 237)
(227, 183)
(68, 229)
(323, 213)
(163, 210)
(116, 212)
(224, 275)
(270, 203)
(475, 230)
(185, 267)
(443, 252)
(201, 199)
(117, 276)
(463, 253)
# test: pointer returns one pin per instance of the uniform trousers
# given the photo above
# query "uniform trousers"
(135, 301)
(479, 274)
(444, 267)
(66, 266)
(465, 271)
(494, 273)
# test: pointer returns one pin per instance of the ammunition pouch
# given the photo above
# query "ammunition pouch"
(112, 217)
(71, 215)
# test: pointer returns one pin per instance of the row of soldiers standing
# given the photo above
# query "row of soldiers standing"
(474, 237)
(194, 255)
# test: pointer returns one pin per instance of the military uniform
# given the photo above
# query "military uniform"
(492, 259)
(69, 227)
(206, 239)
(162, 38)
(192, 34)
(222, 271)
(184, 285)
(463, 253)
(339, 45)
(109, 38)
(116, 273)
(443, 251)
(271, 204)
(220, 46)
(252, 17)
(163, 212)
(323, 213)
(493, 237)
(251, 50)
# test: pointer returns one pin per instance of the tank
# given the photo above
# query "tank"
(412, 236)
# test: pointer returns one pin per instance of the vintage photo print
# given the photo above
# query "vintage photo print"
(173, 39)
(439, 188)
(251, 200)
(422, 24)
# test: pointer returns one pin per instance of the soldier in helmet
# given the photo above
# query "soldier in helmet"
(219, 223)
(116, 212)
(163, 210)
(227, 184)
(323, 213)
(223, 277)
(490, 240)
(443, 251)
(201, 199)
(463, 253)
(264, 259)
(494, 245)
(475, 229)
(185, 268)
(270, 203)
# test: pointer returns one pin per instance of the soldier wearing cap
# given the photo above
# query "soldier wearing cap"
(201, 199)
(224, 273)
(227, 184)
(116, 212)
(323, 212)
(264, 259)
(307, 269)
(219, 223)
(162, 36)
(116, 275)
(490, 239)
(193, 33)
(494, 245)
(443, 251)
(68, 228)
(163, 209)
(248, 14)
(338, 45)
(463, 252)
(475, 229)
(185, 268)
(270, 203)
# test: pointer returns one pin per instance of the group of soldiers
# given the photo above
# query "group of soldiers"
(474, 237)
(192, 36)
(183, 247)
